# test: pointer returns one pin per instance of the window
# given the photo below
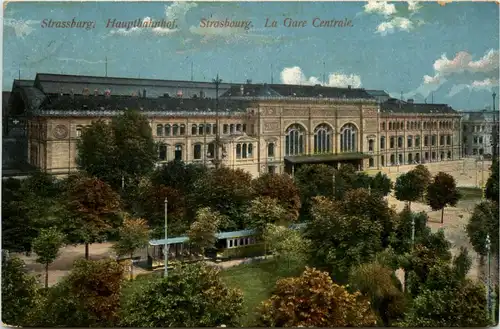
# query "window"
(348, 138)
(231, 128)
(370, 145)
(393, 159)
(400, 159)
(481, 140)
(382, 160)
(183, 129)
(475, 139)
(449, 154)
(250, 150)
(382, 126)
(194, 129)
(200, 129)
(175, 130)
(382, 142)
(238, 151)
(270, 150)
(208, 129)
(197, 152)
(441, 140)
(474, 151)
(433, 155)
(407, 125)
(481, 151)
(448, 140)
(238, 127)
(426, 140)
(244, 128)
(168, 130)
(214, 129)
(294, 140)
(159, 130)
(410, 141)
(442, 156)
(178, 152)
(417, 157)
(391, 142)
(434, 137)
(322, 139)
(410, 158)
(400, 142)
(211, 150)
(371, 163)
(244, 153)
(162, 152)
(427, 156)
(79, 131)
(390, 125)
(225, 128)
(417, 141)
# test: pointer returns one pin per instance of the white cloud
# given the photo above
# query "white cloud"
(486, 84)
(413, 6)
(397, 23)
(21, 28)
(380, 7)
(295, 76)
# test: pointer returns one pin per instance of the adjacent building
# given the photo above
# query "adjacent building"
(257, 127)
(477, 132)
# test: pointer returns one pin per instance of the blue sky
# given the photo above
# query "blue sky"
(420, 49)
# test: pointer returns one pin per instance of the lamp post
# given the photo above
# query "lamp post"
(165, 249)
(412, 230)
(217, 161)
(488, 294)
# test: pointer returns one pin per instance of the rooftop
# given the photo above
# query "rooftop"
(398, 106)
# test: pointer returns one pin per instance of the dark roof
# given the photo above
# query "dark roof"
(397, 106)
(57, 83)
(91, 102)
(23, 83)
(321, 158)
(252, 91)
(378, 93)
(482, 115)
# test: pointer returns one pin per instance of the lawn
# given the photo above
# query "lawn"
(256, 281)
(470, 193)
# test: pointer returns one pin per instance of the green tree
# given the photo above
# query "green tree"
(225, 190)
(96, 149)
(193, 295)
(491, 191)
(287, 245)
(178, 175)
(381, 184)
(19, 292)
(47, 246)
(442, 192)
(263, 211)
(425, 177)
(95, 205)
(133, 235)
(314, 300)
(484, 221)
(409, 187)
(361, 202)
(313, 180)
(202, 233)
(380, 284)
(88, 297)
(282, 188)
(339, 240)
(403, 230)
(136, 151)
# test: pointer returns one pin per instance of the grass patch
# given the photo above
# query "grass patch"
(470, 193)
(256, 281)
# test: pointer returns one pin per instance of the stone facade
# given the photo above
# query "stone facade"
(259, 138)
(477, 132)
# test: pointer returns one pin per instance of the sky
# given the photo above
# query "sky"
(443, 52)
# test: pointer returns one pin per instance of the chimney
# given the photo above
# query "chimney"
(349, 87)
(410, 100)
(144, 93)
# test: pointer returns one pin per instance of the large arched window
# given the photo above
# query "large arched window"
(322, 139)
(159, 130)
(348, 138)
(294, 140)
